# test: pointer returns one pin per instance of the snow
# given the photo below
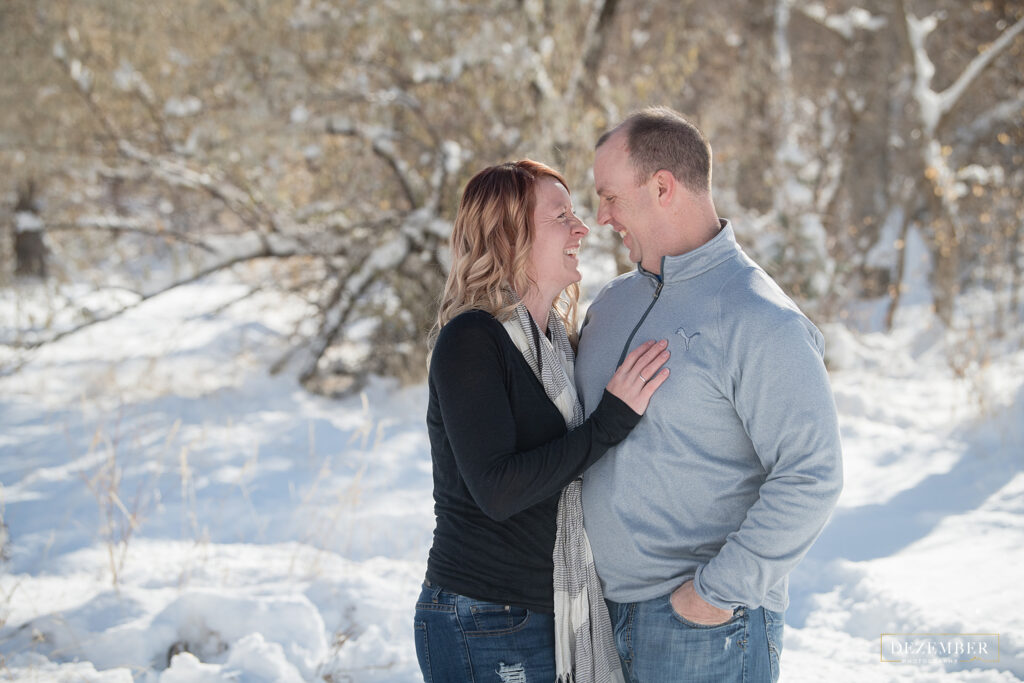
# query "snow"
(980, 175)
(454, 155)
(299, 113)
(178, 515)
(81, 75)
(183, 106)
(125, 76)
(927, 99)
(27, 221)
(847, 23)
(446, 71)
(640, 38)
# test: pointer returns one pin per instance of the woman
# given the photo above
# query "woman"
(506, 429)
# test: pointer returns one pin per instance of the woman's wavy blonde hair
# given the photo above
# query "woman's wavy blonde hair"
(490, 246)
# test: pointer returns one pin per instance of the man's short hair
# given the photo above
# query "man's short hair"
(660, 138)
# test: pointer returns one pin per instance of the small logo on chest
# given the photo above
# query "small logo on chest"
(687, 338)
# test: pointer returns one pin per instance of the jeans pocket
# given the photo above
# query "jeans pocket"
(737, 614)
(492, 617)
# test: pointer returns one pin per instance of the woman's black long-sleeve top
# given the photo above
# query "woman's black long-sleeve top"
(501, 456)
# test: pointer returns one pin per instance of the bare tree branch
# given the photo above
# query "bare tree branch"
(239, 201)
(178, 173)
(149, 295)
(385, 257)
(936, 106)
(380, 140)
(951, 96)
(395, 96)
(1006, 111)
(131, 225)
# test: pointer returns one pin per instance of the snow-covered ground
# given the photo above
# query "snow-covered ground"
(164, 494)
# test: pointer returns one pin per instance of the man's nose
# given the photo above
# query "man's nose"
(602, 213)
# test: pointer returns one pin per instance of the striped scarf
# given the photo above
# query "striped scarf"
(584, 645)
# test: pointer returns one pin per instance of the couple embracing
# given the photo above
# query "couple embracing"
(624, 504)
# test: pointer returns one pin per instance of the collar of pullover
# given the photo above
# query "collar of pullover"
(702, 259)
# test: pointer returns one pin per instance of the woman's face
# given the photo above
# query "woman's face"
(554, 261)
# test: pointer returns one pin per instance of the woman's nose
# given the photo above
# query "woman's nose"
(580, 227)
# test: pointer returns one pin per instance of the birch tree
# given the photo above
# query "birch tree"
(938, 184)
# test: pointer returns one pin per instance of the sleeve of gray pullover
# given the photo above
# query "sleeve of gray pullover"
(781, 392)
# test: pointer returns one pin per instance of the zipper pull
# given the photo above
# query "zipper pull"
(657, 290)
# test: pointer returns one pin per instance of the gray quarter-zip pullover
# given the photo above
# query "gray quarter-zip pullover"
(733, 471)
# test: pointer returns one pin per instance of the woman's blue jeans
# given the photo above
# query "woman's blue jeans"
(462, 639)
(657, 645)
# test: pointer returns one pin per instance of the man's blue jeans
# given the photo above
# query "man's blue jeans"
(657, 645)
(462, 639)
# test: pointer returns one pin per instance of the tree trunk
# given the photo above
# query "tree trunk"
(29, 254)
(896, 284)
(29, 248)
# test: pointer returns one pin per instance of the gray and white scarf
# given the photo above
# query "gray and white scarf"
(584, 645)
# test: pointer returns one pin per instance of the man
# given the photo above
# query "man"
(698, 517)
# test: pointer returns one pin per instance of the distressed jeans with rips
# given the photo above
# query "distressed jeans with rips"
(657, 645)
(463, 639)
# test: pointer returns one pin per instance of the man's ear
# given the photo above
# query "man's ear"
(666, 186)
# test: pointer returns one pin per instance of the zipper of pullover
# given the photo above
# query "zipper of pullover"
(629, 340)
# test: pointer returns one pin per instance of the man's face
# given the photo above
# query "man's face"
(623, 204)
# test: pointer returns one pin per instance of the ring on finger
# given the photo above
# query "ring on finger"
(642, 378)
